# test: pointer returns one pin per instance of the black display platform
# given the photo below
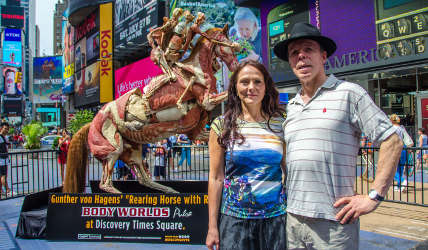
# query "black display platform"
(32, 219)
(139, 214)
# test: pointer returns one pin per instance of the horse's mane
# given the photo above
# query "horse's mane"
(200, 42)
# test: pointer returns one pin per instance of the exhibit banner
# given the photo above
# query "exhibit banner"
(87, 85)
(135, 75)
(106, 53)
(140, 217)
(133, 19)
(67, 55)
(12, 81)
(12, 16)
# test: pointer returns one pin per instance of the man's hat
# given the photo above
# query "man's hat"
(304, 31)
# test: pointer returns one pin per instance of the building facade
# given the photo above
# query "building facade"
(60, 8)
(382, 45)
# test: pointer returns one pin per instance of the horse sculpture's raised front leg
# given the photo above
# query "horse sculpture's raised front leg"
(211, 100)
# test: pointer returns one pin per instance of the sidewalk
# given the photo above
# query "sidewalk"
(376, 231)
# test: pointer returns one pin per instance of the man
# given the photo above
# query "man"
(322, 131)
(4, 158)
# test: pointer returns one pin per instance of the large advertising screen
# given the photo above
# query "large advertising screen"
(244, 28)
(280, 21)
(12, 16)
(133, 19)
(12, 47)
(13, 105)
(12, 85)
(136, 75)
(12, 53)
(68, 56)
(87, 85)
(47, 77)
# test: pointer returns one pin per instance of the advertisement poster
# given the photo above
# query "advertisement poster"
(106, 53)
(47, 92)
(47, 77)
(281, 20)
(87, 85)
(80, 55)
(12, 105)
(12, 16)
(11, 85)
(143, 217)
(134, 75)
(12, 53)
(47, 69)
(133, 19)
(92, 47)
(68, 56)
(244, 27)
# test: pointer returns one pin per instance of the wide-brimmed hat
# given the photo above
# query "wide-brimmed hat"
(304, 31)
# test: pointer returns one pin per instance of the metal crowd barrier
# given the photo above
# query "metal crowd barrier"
(413, 186)
(35, 171)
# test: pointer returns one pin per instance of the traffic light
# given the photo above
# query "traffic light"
(18, 77)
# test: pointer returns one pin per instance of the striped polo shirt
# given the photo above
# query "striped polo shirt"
(322, 139)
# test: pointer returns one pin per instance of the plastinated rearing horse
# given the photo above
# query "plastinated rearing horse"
(177, 107)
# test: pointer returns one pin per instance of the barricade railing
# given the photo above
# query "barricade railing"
(411, 188)
(39, 170)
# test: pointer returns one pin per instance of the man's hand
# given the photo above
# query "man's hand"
(213, 239)
(355, 206)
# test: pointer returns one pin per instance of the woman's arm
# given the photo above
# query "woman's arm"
(284, 165)
(420, 141)
(215, 186)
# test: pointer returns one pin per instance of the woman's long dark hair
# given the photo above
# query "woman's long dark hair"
(270, 105)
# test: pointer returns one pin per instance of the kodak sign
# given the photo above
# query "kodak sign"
(106, 52)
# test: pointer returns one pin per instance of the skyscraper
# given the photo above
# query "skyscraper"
(60, 7)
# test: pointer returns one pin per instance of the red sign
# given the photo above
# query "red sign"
(86, 26)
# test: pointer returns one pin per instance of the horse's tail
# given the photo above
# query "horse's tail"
(75, 174)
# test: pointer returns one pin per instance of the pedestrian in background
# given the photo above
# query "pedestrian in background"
(4, 158)
(246, 196)
(321, 132)
(63, 145)
(401, 131)
(422, 154)
(185, 144)
(160, 153)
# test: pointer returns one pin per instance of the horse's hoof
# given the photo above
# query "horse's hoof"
(110, 189)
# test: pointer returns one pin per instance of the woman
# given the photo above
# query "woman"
(63, 144)
(246, 150)
(423, 143)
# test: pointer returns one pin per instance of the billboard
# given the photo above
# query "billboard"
(12, 35)
(106, 53)
(80, 55)
(12, 53)
(135, 75)
(47, 69)
(244, 29)
(92, 47)
(13, 105)
(12, 85)
(67, 56)
(12, 16)
(87, 85)
(47, 87)
(133, 19)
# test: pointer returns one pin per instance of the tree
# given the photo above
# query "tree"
(81, 118)
(33, 132)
